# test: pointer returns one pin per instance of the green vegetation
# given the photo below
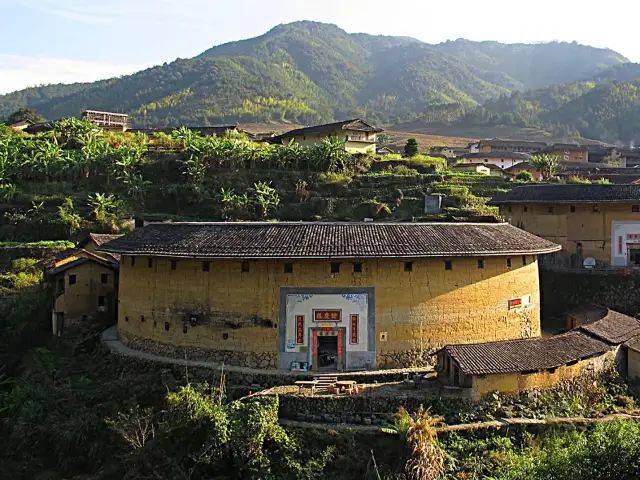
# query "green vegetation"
(546, 164)
(604, 452)
(411, 147)
(78, 177)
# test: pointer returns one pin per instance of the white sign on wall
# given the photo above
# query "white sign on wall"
(623, 234)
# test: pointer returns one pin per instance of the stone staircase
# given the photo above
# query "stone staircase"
(325, 381)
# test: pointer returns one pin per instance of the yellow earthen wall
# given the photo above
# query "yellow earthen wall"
(351, 147)
(516, 382)
(81, 298)
(419, 310)
(590, 228)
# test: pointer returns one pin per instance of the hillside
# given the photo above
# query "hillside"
(309, 72)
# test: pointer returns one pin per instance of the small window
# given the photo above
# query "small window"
(508, 263)
(448, 264)
(150, 262)
(174, 264)
(524, 260)
(126, 319)
(596, 208)
(572, 208)
(335, 267)
(408, 266)
(357, 267)
(142, 318)
(206, 266)
(72, 279)
(104, 278)
(133, 261)
(550, 209)
(481, 263)
(288, 268)
(101, 301)
(166, 326)
(244, 267)
(525, 208)
(184, 328)
(635, 208)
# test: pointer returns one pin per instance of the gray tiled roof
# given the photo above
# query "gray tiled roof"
(328, 240)
(525, 355)
(570, 194)
(351, 124)
(542, 353)
(614, 327)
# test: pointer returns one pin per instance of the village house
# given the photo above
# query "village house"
(593, 223)
(118, 122)
(512, 366)
(568, 152)
(481, 168)
(325, 296)
(84, 283)
(360, 137)
(502, 159)
(516, 146)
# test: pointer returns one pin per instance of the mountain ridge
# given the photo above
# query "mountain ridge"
(311, 72)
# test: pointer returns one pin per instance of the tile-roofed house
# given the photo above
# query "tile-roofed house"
(93, 241)
(515, 365)
(525, 355)
(329, 295)
(359, 136)
(84, 286)
(327, 240)
(503, 159)
(500, 145)
(591, 222)
(614, 328)
(569, 194)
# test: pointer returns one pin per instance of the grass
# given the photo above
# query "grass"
(52, 244)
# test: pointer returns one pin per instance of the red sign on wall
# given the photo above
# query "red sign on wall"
(299, 329)
(515, 303)
(354, 329)
(326, 315)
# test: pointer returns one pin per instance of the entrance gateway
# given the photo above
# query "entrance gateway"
(327, 329)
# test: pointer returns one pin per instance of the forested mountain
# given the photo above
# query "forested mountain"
(307, 72)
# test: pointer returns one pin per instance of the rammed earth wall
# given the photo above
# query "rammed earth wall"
(416, 312)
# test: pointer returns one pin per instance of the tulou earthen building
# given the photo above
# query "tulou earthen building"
(325, 296)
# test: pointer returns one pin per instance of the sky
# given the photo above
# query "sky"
(66, 41)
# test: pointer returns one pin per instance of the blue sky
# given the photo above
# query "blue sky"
(48, 41)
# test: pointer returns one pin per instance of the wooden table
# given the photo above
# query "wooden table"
(311, 384)
(346, 385)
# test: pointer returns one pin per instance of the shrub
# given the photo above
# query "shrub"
(524, 176)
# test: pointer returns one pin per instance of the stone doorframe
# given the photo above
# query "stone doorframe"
(351, 359)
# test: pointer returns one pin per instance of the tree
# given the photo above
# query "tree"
(546, 163)
(26, 115)
(105, 210)
(266, 197)
(411, 147)
(69, 216)
(524, 176)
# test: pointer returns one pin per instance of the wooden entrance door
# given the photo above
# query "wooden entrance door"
(322, 341)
